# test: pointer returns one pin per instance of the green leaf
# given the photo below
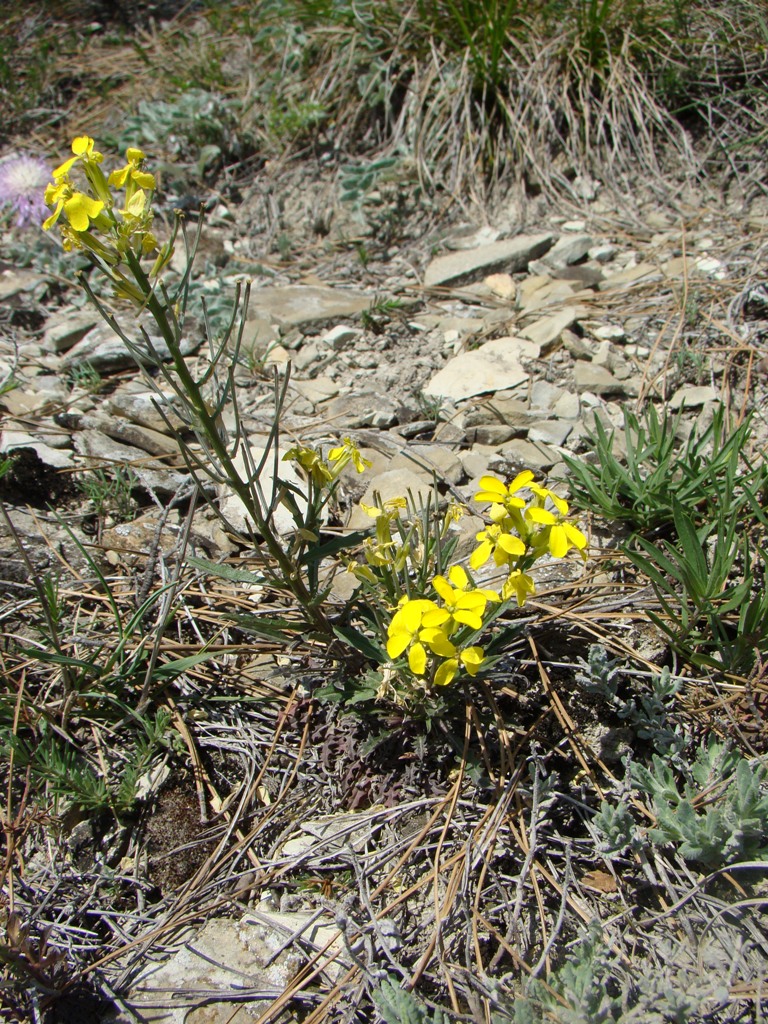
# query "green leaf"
(228, 572)
(367, 647)
(329, 548)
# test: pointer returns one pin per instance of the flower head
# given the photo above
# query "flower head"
(498, 493)
(22, 180)
(346, 452)
(132, 172)
(471, 658)
(78, 208)
(555, 533)
(463, 603)
(408, 632)
(519, 585)
(494, 540)
(312, 462)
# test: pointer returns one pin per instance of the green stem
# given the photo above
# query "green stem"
(289, 569)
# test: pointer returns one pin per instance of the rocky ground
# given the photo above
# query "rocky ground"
(271, 851)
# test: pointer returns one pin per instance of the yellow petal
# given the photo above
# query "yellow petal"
(119, 177)
(444, 588)
(81, 209)
(397, 644)
(458, 576)
(144, 179)
(558, 542)
(521, 480)
(540, 515)
(81, 145)
(472, 659)
(438, 642)
(446, 672)
(417, 659)
(575, 536)
(510, 544)
(480, 555)
(494, 486)
(435, 617)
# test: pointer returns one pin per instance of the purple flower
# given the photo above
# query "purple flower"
(22, 186)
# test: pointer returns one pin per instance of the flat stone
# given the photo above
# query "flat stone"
(429, 459)
(544, 395)
(56, 458)
(552, 432)
(120, 429)
(510, 255)
(101, 451)
(493, 366)
(605, 332)
(568, 249)
(502, 285)
(64, 332)
(223, 959)
(526, 348)
(547, 330)
(316, 390)
(139, 536)
(603, 253)
(361, 409)
(501, 409)
(471, 237)
(598, 379)
(540, 291)
(142, 408)
(332, 833)
(23, 401)
(567, 407)
(693, 397)
(299, 305)
(642, 273)
(14, 282)
(518, 455)
(105, 352)
(493, 434)
(463, 325)
(340, 337)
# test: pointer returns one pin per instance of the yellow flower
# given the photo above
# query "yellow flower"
(78, 208)
(520, 584)
(83, 149)
(312, 462)
(544, 492)
(494, 490)
(132, 172)
(406, 631)
(463, 603)
(558, 535)
(391, 508)
(348, 452)
(494, 541)
(471, 658)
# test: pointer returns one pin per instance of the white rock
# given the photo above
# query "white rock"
(339, 337)
(510, 255)
(494, 366)
(693, 397)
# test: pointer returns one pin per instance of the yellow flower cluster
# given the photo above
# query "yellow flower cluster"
(436, 635)
(421, 625)
(99, 219)
(521, 531)
(326, 471)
